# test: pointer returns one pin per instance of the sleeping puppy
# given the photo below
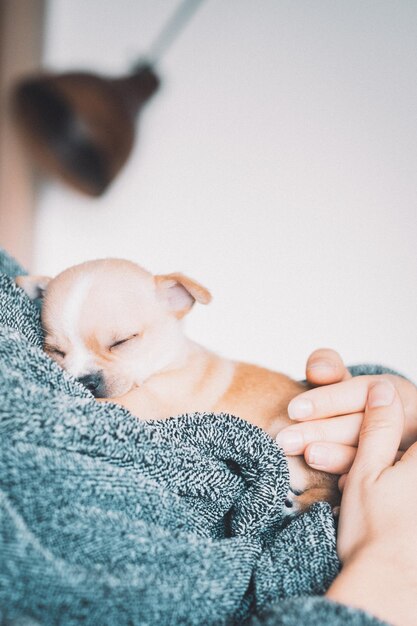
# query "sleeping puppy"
(117, 329)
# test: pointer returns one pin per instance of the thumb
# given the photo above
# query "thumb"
(381, 431)
(325, 366)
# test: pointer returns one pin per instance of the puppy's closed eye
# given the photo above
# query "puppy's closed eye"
(53, 351)
(119, 342)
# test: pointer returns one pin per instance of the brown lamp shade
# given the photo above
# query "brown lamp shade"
(80, 126)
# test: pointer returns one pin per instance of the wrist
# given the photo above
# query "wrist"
(381, 582)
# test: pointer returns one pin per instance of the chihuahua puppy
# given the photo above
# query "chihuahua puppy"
(117, 329)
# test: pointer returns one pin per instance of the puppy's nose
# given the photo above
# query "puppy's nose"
(93, 382)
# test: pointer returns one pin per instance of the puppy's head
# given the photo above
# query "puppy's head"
(112, 324)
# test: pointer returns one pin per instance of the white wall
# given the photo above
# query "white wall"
(277, 166)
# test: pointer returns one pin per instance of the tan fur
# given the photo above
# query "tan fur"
(260, 396)
(155, 371)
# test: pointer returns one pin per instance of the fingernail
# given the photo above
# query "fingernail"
(318, 456)
(321, 365)
(291, 441)
(381, 394)
(300, 408)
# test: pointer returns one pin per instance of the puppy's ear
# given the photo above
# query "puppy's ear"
(179, 292)
(33, 285)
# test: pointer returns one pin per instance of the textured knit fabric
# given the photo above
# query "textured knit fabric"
(105, 520)
(312, 612)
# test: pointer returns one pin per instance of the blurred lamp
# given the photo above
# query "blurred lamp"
(81, 126)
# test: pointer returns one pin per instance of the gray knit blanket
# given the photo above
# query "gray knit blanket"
(105, 520)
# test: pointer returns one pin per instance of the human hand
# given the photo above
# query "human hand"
(378, 516)
(328, 435)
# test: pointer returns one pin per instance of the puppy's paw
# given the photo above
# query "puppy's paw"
(298, 502)
(336, 512)
(292, 506)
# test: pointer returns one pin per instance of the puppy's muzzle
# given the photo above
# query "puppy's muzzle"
(94, 383)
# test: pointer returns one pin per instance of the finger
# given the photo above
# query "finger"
(339, 399)
(380, 435)
(334, 458)
(341, 482)
(325, 366)
(343, 429)
(342, 479)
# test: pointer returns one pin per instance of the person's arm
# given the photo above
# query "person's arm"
(378, 517)
(377, 529)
